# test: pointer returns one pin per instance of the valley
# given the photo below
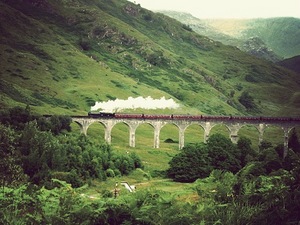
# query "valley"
(65, 57)
(72, 58)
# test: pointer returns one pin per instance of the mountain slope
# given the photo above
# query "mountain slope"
(292, 64)
(62, 56)
(272, 38)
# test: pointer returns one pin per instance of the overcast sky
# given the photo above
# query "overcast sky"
(227, 8)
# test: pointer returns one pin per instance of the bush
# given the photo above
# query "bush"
(192, 163)
(110, 173)
(84, 44)
(223, 154)
(247, 100)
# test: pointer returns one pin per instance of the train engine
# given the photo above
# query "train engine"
(101, 115)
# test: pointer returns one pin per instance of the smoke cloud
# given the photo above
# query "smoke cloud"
(135, 103)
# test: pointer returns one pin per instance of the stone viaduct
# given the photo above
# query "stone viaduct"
(233, 125)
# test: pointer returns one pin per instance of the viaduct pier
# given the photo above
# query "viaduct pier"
(233, 124)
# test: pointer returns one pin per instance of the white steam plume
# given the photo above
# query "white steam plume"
(135, 103)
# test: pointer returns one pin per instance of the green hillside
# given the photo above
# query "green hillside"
(63, 56)
(272, 38)
(291, 63)
(280, 34)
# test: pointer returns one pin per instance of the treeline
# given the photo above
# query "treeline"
(222, 198)
(42, 164)
(37, 149)
(199, 160)
(253, 187)
(18, 117)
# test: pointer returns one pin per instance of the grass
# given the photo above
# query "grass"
(43, 64)
(185, 66)
(156, 160)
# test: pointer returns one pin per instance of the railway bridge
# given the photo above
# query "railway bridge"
(233, 124)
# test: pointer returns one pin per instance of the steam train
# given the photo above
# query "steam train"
(107, 115)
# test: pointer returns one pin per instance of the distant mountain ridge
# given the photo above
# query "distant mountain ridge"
(63, 56)
(273, 39)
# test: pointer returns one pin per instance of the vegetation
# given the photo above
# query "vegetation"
(47, 176)
(199, 160)
(86, 51)
(247, 101)
(41, 154)
(58, 58)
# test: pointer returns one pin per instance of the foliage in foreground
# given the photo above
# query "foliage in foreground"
(198, 160)
(223, 198)
(237, 186)
(30, 151)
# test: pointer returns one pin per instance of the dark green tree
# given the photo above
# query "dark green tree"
(223, 154)
(271, 160)
(247, 100)
(136, 159)
(246, 152)
(38, 149)
(294, 141)
(59, 124)
(11, 172)
(265, 145)
(16, 117)
(190, 164)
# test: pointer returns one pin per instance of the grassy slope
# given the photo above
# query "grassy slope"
(60, 57)
(280, 34)
(275, 32)
(52, 70)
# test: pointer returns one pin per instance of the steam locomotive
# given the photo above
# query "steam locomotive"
(101, 115)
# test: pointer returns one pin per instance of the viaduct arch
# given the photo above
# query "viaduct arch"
(233, 125)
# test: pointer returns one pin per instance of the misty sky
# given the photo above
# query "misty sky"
(227, 8)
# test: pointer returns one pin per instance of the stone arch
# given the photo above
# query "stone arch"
(149, 123)
(169, 135)
(147, 129)
(226, 132)
(96, 129)
(116, 123)
(120, 133)
(192, 134)
(252, 132)
(83, 124)
(274, 133)
(76, 126)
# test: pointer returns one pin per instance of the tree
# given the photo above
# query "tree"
(38, 149)
(247, 100)
(11, 173)
(223, 153)
(294, 141)
(16, 117)
(244, 146)
(60, 123)
(192, 163)
(271, 160)
(265, 145)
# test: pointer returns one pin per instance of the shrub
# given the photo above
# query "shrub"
(247, 100)
(223, 154)
(192, 163)
(110, 173)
